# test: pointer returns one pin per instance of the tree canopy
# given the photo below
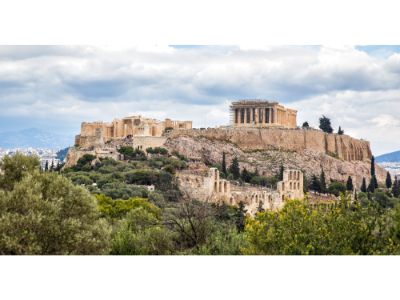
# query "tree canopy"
(325, 124)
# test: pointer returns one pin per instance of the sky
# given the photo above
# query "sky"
(55, 88)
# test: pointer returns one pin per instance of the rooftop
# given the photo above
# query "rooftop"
(253, 102)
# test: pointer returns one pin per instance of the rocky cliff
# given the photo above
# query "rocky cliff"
(250, 139)
(266, 149)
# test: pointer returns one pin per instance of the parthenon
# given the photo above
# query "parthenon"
(262, 113)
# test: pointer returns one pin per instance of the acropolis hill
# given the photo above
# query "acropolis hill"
(262, 134)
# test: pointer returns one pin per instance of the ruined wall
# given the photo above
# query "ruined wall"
(247, 139)
(210, 187)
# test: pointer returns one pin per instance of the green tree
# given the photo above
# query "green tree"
(46, 166)
(234, 168)
(246, 176)
(364, 185)
(240, 217)
(46, 214)
(325, 124)
(315, 184)
(15, 167)
(373, 166)
(371, 186)
(141, 233)
(281, 171)
(349, 184)
(118, 208)
(336, 188)
(322, 181)
(340, 131)
(223, 164)
(343, 229)
(374, 181)
(305, 125)
(396, 188)
(389, 182)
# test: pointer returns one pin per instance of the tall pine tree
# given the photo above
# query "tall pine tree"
(371, 186)
(234, 168)
(322, 181)
(396, 188)
(373, 166)
(364, 185)
(223, 164)
(281, 170)
(340, 131)
(388, 180)
(246, 176)
(349, 184)
(240, 217)
(315, 184)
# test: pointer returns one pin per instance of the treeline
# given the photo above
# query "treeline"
(62, 213)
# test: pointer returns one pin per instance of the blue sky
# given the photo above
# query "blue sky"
(57, 87)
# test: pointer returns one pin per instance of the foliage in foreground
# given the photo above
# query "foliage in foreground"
(343, 229)
(45, 213)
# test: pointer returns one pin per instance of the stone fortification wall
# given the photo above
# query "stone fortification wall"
(339, 146)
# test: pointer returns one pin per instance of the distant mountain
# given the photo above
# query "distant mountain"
(389, 157)
(34, 137)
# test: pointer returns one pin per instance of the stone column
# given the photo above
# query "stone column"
(256, 116)
(245, 115)
(236, 116)
(273, 116)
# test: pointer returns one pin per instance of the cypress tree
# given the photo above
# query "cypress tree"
(281, 170)
(315, 184)
(322, 181)
(240, 217)
(223, 164)
(340, 131)
(373, 166)
(396, 188)
(46, 166)
(234, 169)
(371, 186)
(364, 186)
(388, 180)
(246, 176)
(349, 184)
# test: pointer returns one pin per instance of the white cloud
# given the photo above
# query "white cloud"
(75, 83)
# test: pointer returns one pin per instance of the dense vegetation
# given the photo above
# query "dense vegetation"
(106, 207)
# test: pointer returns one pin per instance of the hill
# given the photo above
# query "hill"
(34, 137)
(389, 157)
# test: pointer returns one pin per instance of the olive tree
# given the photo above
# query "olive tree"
(45, 213)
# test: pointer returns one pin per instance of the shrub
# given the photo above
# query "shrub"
(119, 207)
(336, 188)
(46, 214)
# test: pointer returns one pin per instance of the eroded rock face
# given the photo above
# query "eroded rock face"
(249, 139)
(268, 162)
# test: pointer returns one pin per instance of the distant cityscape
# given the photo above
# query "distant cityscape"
(392, 167)
(49, 157)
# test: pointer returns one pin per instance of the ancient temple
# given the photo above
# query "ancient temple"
(262, 113)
